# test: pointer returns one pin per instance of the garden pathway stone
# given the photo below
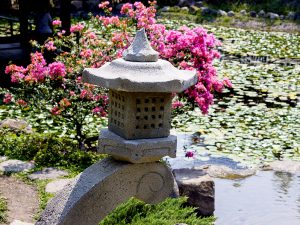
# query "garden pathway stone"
(15, 166)
(57, 185)
(285, 166)
(19, 222)
(22, 199)
(47, 173)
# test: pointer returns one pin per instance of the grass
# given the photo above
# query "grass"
(3, 210)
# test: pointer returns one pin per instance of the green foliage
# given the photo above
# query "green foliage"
(46, 150)
(3, 210)
(169, 212)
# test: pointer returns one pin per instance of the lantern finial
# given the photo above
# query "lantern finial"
(140, 49)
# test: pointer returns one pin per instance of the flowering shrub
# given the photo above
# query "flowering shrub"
(58, 88)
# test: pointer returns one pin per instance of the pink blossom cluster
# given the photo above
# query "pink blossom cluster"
(56, 22)
(50, 46)
(7, 98)
(76, 28)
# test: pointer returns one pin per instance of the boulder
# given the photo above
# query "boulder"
(282, 17)
(222, 13)
(188, 3)
(243, 12)
(284, 166)
(165, 9)
(291, 15)
(252, 14)
(199, 188)
(272, 16)
(57, 185)
(208, 12)
(16, 125)
(184, 9)
(194, 9)
(220, 171)
(15, 166)
(261, 13)
(199, 4)
(47, 173)
(230, 14)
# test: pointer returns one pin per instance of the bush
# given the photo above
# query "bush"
(169, 212)
(46, 150)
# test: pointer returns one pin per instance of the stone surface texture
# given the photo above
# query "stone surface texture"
(285, 166)
(15, 166)
(140, 70)
(57, 185)
(19, 222)
(102, 187)
(220, 171)
(140, 50)
(16, 125)
(47, 173)
(198, 187)
(139, 115)
(136, 151)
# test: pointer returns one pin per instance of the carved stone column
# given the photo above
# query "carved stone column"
(138, 136)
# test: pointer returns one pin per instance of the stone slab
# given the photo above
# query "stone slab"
(18, 222)
(47, 173)
(102, 187)
(136, 151)
(57, 185)
(15, 166)
(285, 166)
(16, 125)
(198, 187)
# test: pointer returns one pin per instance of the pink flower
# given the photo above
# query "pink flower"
(76, 28)
(99, 111)
(21, 102)
(50, 46)
(55, 110)
(103, 5)
(177, 105)
(7, 98)
(189, 154)
(86, 53)
(227, 82)
(56, 22)
(57, 70)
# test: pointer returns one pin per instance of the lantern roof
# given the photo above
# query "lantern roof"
(140, 70)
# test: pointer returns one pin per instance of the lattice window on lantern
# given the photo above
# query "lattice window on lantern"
(117, 109)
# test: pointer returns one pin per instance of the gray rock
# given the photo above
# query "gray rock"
(194, 9)
(187, 3)
(272, 16)
(252, 14)
(15, 166)
(3, 158)
(77, 4)
(18, 222)
(165, 9)
(184, 9)
(208, 12)
(261, 13)
(291, 15)
(16, 125)
(57, 185)
(230, 13)
(222, 13)
(282, 17)
(199, 4)
(47, 173)
(198, 187)
(243, 12)
(220, 171)
(285, 166)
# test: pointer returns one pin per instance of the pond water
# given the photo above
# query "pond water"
(267, 198)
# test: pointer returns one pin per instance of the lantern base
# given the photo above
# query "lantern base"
(136, 151)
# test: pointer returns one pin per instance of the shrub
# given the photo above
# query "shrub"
(169, 212)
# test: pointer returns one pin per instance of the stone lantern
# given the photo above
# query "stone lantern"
(138, 136)
(140, 92)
